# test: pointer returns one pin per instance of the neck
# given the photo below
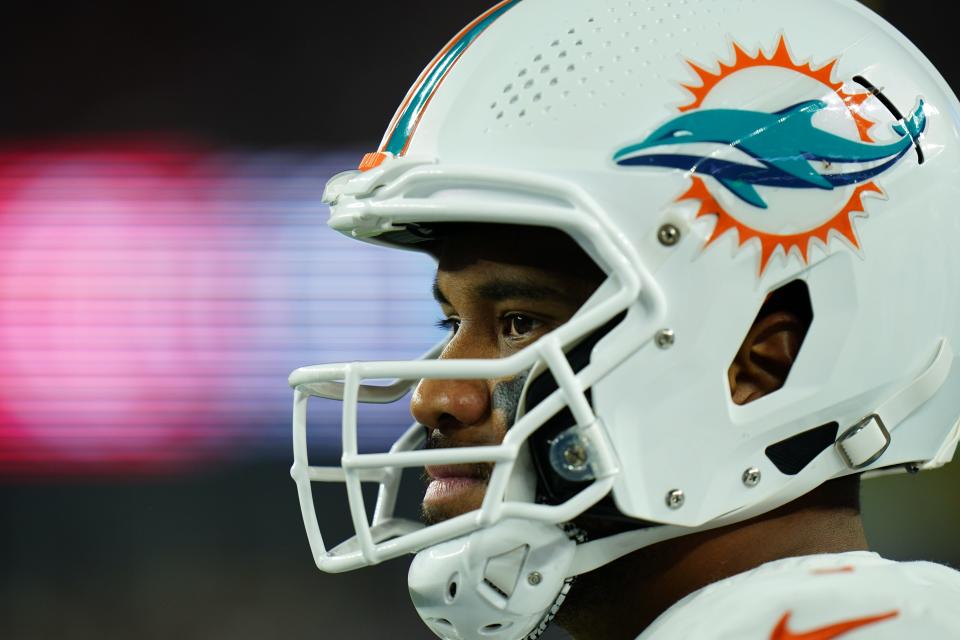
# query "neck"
(618, 601)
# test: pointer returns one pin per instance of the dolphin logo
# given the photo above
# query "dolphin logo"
(784, 143)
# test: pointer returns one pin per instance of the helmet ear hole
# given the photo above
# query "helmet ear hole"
(772, 344)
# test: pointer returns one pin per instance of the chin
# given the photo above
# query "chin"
(440, 508)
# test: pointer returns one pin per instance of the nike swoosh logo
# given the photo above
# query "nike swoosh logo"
(783, 632)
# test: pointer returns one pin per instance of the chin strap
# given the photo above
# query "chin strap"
(552, 611)
(596, 553)
(579, 536)
(862, 444)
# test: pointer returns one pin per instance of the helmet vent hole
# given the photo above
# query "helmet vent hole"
(792, 455)
(452, 587)
(494, 628)
(500, 592)
(442, 623)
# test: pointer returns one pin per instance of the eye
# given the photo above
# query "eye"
(450, 324)
(518, 326)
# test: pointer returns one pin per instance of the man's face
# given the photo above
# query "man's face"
(500, 289)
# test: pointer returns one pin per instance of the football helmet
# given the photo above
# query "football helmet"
(704, 154)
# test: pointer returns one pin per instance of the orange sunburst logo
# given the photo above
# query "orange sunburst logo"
(825, 167)
(841, 223)
(799, 243)
(779, 58)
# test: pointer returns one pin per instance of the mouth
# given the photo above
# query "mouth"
(455, 485)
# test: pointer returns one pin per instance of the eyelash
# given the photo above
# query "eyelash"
(447, 324)
(451, 324)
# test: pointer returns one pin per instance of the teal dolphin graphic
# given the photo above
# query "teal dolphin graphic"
(784, 142)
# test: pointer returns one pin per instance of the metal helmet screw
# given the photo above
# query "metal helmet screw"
(535, 578)
(675, 499)
(668, 235)
(571, 456)
(665, 338)
(575, 456)
(751, 477)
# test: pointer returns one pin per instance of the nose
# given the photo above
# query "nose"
(449, 404)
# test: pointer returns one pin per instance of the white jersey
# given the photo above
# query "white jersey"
(849, 596)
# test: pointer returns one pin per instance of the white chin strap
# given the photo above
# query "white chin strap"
(862, 444)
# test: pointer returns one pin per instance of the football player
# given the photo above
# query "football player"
(698, 262)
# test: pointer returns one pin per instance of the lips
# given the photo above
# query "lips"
(450, 482)
(442, 472)
(455, 489)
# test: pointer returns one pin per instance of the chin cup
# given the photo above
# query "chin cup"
(499, 583)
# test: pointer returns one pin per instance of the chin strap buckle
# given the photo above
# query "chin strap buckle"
(862, 444)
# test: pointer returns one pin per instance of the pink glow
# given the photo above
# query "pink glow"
(112, 309)
(154, 298)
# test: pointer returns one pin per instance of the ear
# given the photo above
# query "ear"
(766, 356)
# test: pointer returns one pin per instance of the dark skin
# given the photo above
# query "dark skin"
(501, 291)
(496, 304)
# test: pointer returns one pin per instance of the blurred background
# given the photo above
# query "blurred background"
(164, 265)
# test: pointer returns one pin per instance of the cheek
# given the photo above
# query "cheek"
(505, 398)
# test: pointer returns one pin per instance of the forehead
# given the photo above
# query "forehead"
(512, 248)
(493, 263)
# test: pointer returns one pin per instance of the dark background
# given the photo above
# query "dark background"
(221, 553)
(304, 75)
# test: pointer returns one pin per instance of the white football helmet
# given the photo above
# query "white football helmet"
(704, 154)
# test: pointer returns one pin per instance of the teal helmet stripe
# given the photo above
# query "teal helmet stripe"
(407, 122)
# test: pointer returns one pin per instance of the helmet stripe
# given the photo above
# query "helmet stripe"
(401, 130)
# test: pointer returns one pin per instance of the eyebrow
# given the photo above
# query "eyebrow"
(499, 290)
